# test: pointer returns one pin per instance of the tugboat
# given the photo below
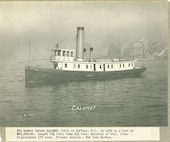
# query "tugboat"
(72, 66)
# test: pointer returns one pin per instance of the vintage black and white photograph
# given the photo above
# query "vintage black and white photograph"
(83, 64)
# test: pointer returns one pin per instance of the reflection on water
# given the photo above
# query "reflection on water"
(122, 102)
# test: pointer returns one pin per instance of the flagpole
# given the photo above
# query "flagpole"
(29, 51)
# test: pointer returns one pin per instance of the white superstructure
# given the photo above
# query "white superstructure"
(66, 59)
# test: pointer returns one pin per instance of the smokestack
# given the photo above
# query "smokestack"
(79, 43)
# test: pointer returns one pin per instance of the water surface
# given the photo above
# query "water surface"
(122, 102)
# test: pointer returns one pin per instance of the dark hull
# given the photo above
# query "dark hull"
(39, 76)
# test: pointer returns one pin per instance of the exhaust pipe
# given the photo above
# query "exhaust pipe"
(80, 44)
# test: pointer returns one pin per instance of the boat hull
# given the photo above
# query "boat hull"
(38, 76)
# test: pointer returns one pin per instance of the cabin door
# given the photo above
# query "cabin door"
(94, 67)
(103, 67)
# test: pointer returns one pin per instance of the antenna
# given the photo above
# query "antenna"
(56, 45)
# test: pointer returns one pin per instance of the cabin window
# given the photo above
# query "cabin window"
(63, 53)
(112, 66)
(120, 65)
(107, 66)
(59, 53)
(123, 65)
(100, 66)
(78, 66)
(132, 64)
(68, 53)
(71, 53)
(74, 66)
(129, 64)
(87, 66)
(65, 65)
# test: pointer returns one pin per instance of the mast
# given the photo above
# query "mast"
(29, 51)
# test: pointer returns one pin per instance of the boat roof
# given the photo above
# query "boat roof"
(105, 62)
(59, 49)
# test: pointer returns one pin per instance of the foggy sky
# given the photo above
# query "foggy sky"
(48, 23)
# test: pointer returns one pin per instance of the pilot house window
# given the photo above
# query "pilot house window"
(71, 53)
(63, 53)
(68, 53)
(59, 53)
